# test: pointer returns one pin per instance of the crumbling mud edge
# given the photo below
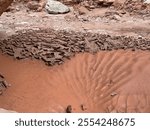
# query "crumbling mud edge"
(53, 47)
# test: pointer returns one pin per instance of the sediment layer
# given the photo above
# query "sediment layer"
(53, 47)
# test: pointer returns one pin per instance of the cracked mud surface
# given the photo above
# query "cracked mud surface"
(53, 47)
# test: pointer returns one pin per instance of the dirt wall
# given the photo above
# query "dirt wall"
(4, 5)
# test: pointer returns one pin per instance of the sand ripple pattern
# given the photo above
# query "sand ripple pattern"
(102, 81)
(116, 81)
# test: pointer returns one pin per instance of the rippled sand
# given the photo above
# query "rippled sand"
(116, 81)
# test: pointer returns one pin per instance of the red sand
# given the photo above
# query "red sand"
(116, 81)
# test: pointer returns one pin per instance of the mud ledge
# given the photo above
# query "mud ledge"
(53, 47)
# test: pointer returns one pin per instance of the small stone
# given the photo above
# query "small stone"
(33, 5)
(83, 108)
(139, 37)
(117, 17)
(69, 109)
(82, 10)
(5, 84)
(113, 94)
(56, 7)
(147, 1)
(17, 9)
(1, 76)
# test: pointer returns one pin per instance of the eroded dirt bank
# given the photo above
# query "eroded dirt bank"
(4, 5)
(116, 81)
(53, 47)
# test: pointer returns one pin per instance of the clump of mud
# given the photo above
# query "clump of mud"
(3, 84)
(53, 47)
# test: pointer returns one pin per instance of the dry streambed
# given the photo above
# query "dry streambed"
(112, 75)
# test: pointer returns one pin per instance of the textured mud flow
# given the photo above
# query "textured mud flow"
(116, 81)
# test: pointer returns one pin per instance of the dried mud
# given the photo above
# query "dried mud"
(53, 47)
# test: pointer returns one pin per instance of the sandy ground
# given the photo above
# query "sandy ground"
(105, 56)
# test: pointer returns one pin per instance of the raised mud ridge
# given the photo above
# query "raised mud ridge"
(3, 84)
(53, 47)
